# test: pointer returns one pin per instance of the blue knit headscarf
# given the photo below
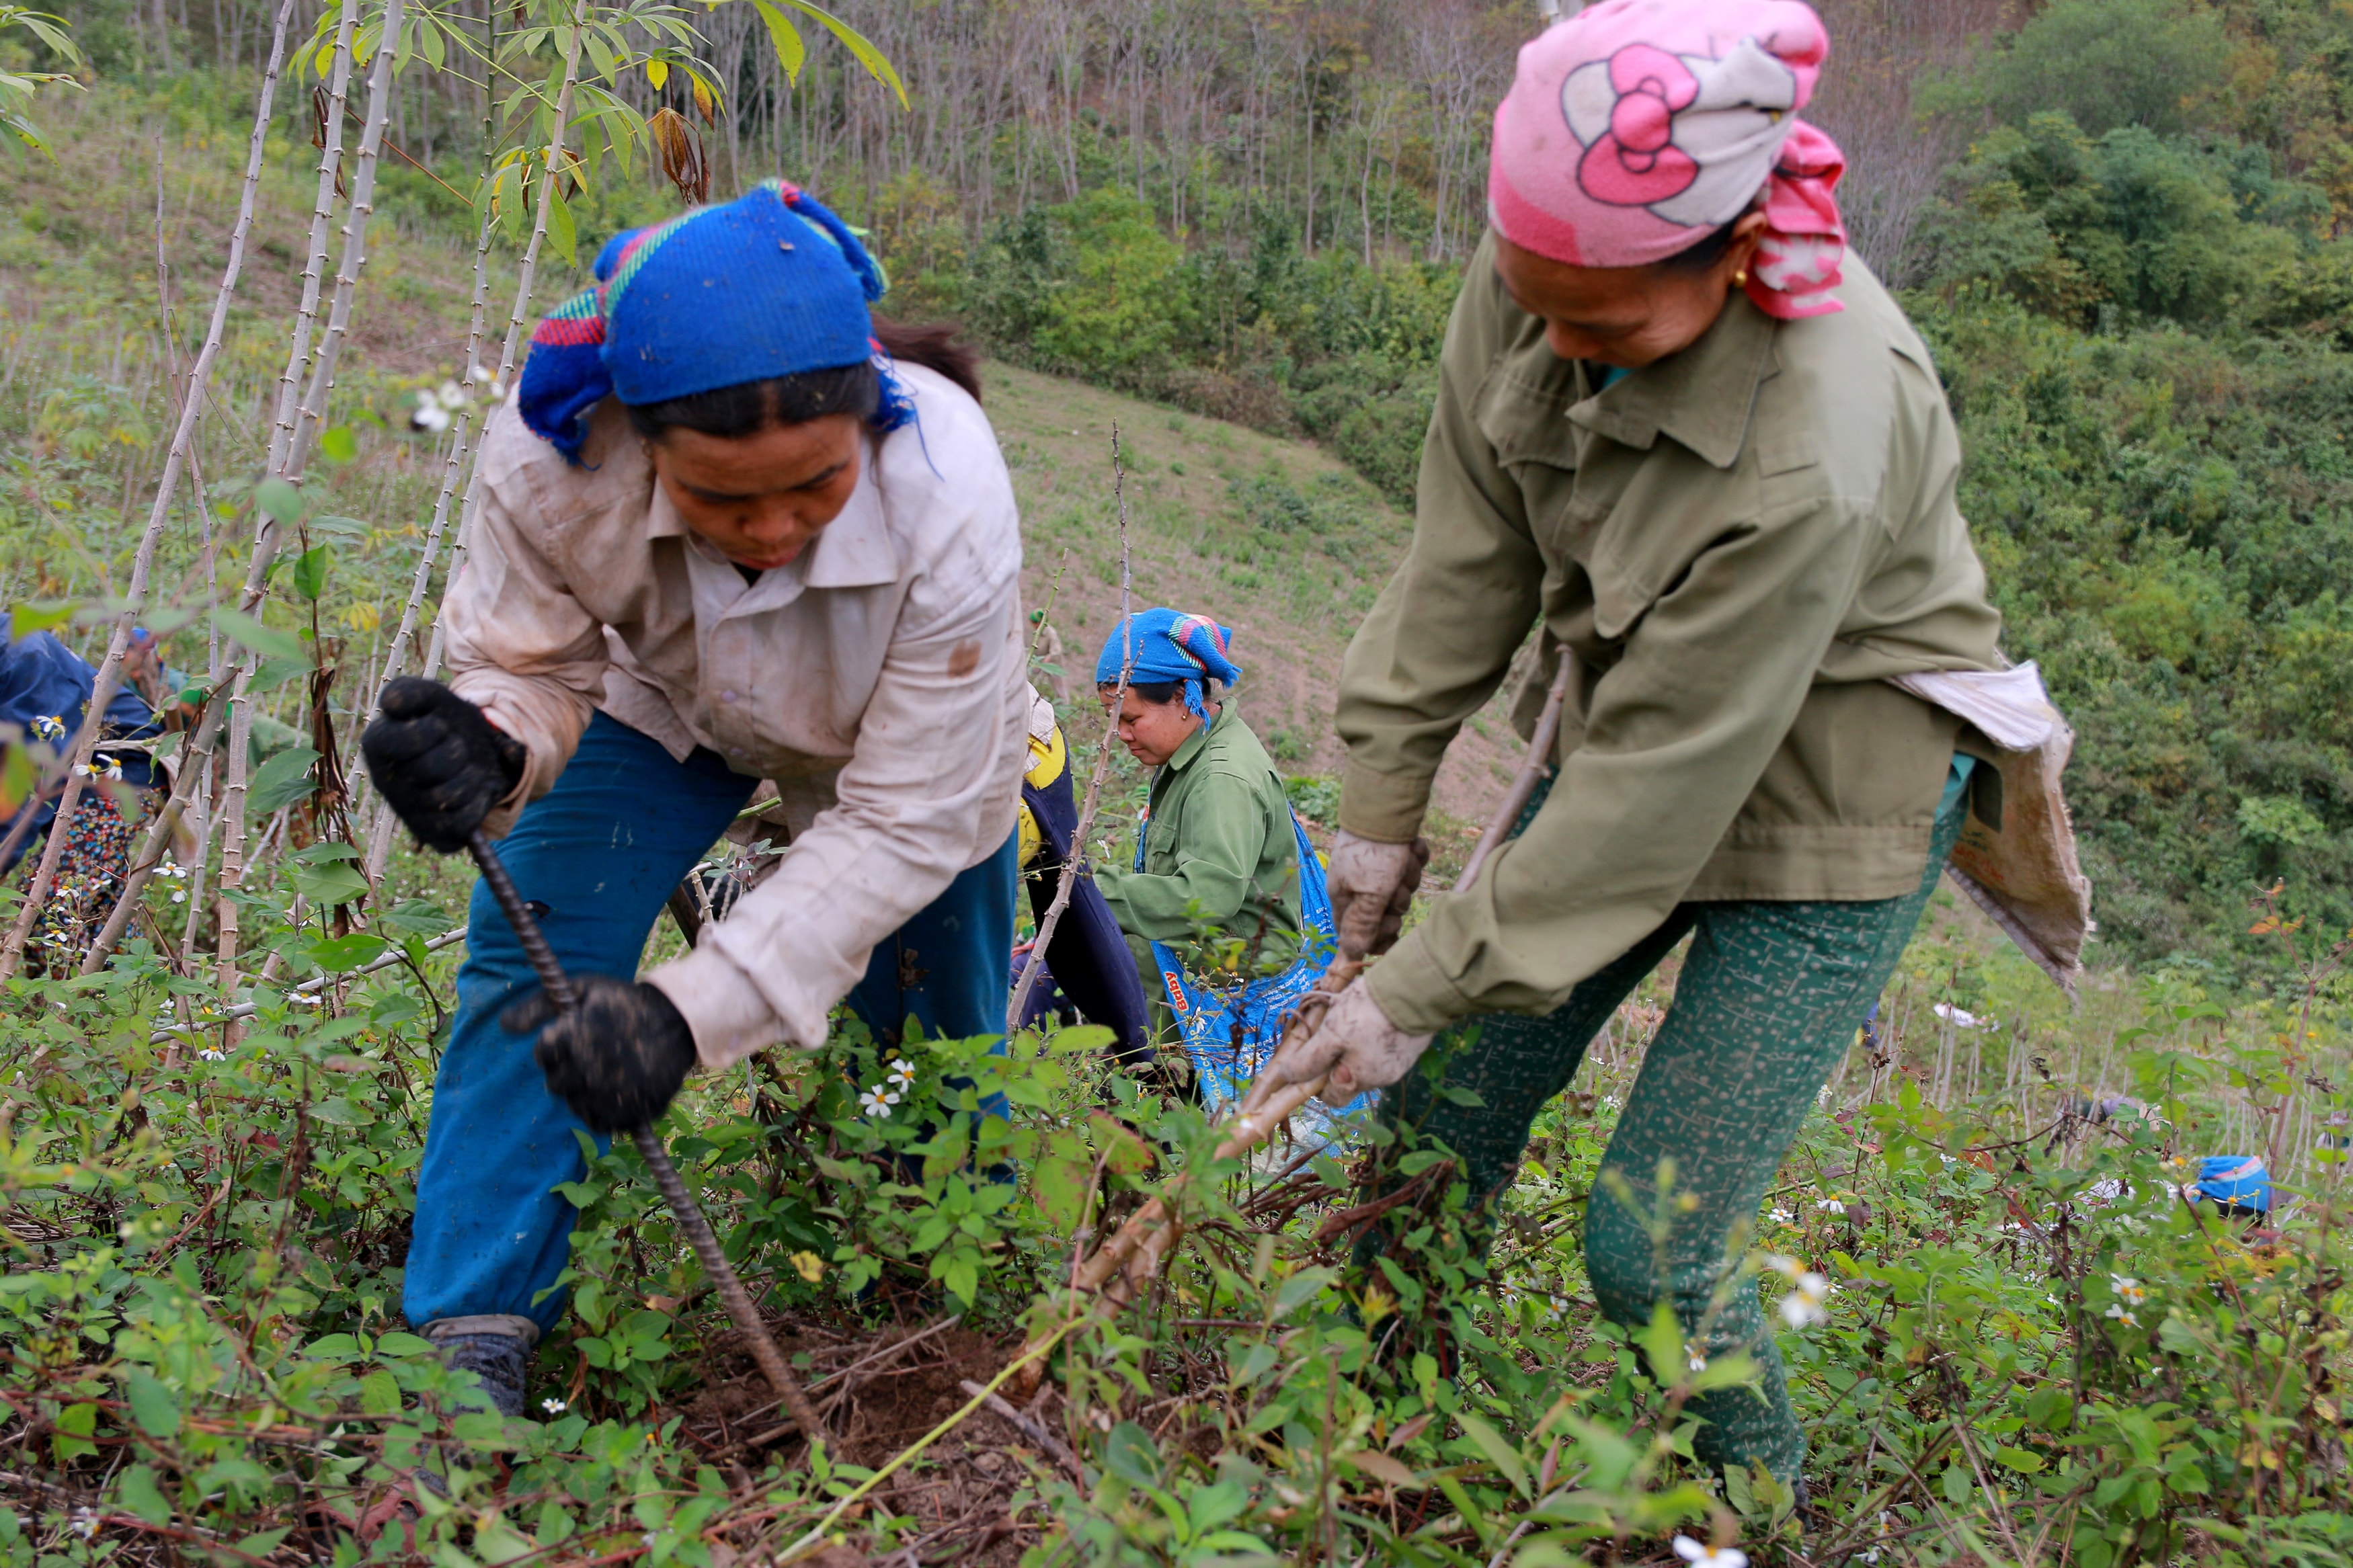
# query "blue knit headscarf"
(769, 284)
(1168, 645)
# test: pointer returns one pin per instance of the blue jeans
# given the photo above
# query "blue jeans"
(598, 853)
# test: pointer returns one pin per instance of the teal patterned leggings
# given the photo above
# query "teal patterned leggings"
(1768, 1000)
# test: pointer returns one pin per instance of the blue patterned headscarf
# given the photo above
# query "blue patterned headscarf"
(1168, 645)
(767, 285)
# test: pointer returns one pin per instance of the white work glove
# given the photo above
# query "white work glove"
(1372, 886)
(1353, 1041)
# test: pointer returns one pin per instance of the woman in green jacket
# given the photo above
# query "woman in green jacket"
(1716, 473)
(1224, 926)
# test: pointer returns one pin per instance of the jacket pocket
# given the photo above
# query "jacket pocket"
(1523, 412)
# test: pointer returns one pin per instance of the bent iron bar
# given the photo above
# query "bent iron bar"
(740, 1310)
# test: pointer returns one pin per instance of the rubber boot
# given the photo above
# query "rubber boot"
(496, 1347)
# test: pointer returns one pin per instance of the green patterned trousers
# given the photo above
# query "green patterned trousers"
(1768, 1000)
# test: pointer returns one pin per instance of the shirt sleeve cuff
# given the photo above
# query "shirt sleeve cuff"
(730, 1017)
(1386, 808)
(1414, 992)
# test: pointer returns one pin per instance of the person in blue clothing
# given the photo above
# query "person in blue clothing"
(2237, 1184)
(45, 692)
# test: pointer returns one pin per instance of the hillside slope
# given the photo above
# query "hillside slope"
(1277, 539)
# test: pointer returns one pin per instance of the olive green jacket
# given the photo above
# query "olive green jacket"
(1218, 850)
(1737, 545)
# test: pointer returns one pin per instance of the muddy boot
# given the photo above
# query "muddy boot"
(494, 1347)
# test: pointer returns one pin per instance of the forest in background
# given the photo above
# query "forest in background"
(2009, 1337)
(2120, 224)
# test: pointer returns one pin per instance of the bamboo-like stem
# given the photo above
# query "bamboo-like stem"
(469, 511)
(469, 514)
(314, 269)
(310, 418)
(1086, 822)
(12, 954)
(206, 821)
(380, 831)
(232, 809)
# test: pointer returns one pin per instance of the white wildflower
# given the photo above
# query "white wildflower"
(1699, 1556)
(877, 1103)
(2128, 1290)
(85, 1523)
(552, 1406)
(1807, 1302)
(1832, 1206)
(1698, 1362)
(212, 1055)
(2116, 1310)
(1957, 1018)
(901, 1073)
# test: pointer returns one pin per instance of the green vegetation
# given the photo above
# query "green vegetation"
(2001, 1324)
(2009, 1339)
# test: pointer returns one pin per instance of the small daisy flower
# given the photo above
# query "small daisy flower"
(1698, 1362)
(2117, 1310)
(49, 727)
(1781, 1216)
(877, 1103)
(1699, 1556)
(85, 1523)
(212, 1055)
(552, 1406)
(1832, 1206)
(1807, 1302)
(901, 1073)
(2128, 1290)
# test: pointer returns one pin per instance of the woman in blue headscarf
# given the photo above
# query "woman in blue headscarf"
(1225, 910)
(735, 530)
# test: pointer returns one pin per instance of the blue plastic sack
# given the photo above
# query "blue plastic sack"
(1229, 1035)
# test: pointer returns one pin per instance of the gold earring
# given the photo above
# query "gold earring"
(1740, 279)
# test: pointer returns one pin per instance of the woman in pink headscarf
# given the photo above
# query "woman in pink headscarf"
(1694, 443)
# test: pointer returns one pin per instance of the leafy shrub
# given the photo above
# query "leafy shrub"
(2106, 63)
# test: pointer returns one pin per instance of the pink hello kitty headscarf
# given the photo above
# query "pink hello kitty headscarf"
(1638, 127)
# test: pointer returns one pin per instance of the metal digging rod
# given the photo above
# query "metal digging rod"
(740, 1310)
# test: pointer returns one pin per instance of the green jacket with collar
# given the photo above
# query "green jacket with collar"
(1736, 546)
(1217, 848)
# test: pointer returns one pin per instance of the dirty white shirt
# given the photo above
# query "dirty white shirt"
(878, 679)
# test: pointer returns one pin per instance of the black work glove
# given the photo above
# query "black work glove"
(617, 1058)
(441, 765)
